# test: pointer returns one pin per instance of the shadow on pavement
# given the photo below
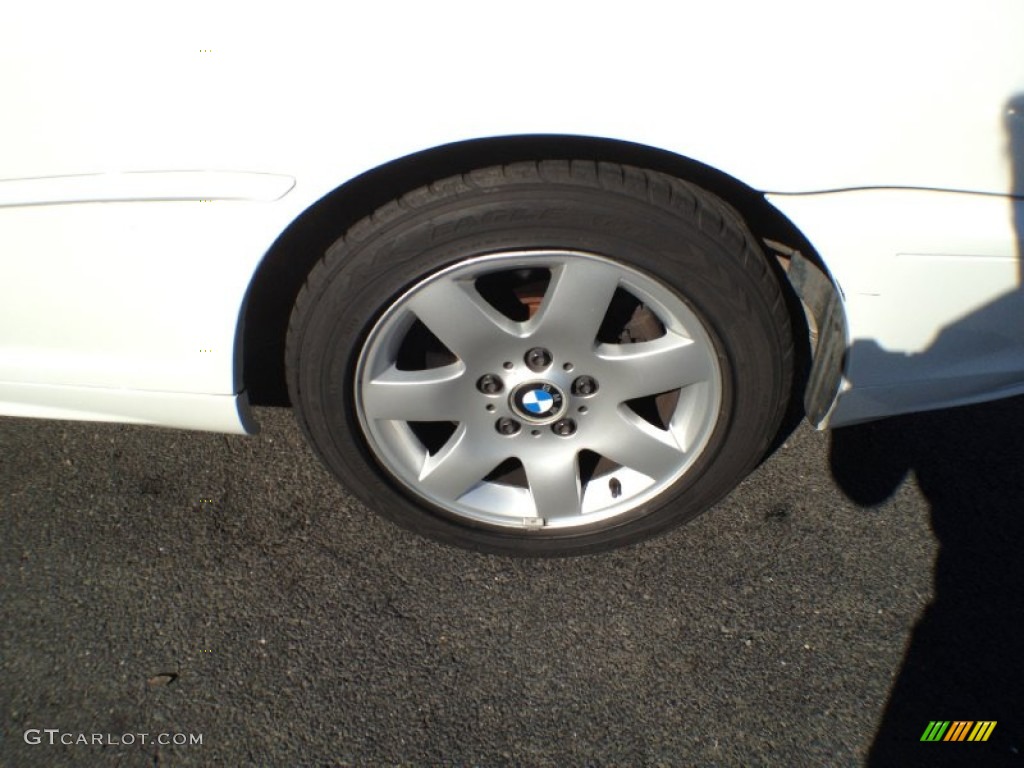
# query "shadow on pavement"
(963, 661)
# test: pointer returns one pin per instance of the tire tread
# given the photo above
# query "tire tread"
(711, 215)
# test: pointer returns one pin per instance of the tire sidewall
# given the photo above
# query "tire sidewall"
(376, 264)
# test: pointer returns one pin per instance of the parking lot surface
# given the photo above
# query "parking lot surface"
(857, 586)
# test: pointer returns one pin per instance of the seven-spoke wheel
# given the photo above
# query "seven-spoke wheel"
(544, 358)
(432, 376)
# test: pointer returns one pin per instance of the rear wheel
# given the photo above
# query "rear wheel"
(546, 358)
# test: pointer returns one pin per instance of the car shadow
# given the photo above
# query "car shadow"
(963, 659)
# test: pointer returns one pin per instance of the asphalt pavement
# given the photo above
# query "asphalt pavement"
(159, 585)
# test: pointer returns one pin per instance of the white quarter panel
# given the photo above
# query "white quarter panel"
(129, 295)
(787, 96)
(213, 413)
(204, 186)
(932, 283)
(145, 293)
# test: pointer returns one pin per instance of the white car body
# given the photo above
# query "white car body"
(151, 159)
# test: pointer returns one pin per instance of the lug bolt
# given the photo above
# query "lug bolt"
(584, 385)
(507, 426)
(489, 384)
(564, 427)
(537, 359)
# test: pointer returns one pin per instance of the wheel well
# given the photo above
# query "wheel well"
(283, 271)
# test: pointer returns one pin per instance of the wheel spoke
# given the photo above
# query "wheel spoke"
(427, 395)
(638, 445)
(456, 468)
(575, 303)
(459, 317)
(554, 481)
(609, 388)
(652, 367)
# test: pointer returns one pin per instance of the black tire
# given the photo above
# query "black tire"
(686, 261)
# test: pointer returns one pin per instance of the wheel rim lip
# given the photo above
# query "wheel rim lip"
(390, 447)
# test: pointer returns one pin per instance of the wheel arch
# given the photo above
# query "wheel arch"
(284, 268)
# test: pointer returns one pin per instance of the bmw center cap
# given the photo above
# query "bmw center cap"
(538, 401)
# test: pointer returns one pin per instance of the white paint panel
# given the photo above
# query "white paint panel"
(145, 185)
(933, 291)
(140, 296)
(791, 95)
(212, 413)
(961, 287)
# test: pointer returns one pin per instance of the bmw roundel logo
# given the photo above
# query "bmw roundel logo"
(538, 400)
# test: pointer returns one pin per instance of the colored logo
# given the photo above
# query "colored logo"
(538, 401)
(958, 730)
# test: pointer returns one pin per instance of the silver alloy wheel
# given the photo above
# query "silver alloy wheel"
(542, 358)
(489, 430)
